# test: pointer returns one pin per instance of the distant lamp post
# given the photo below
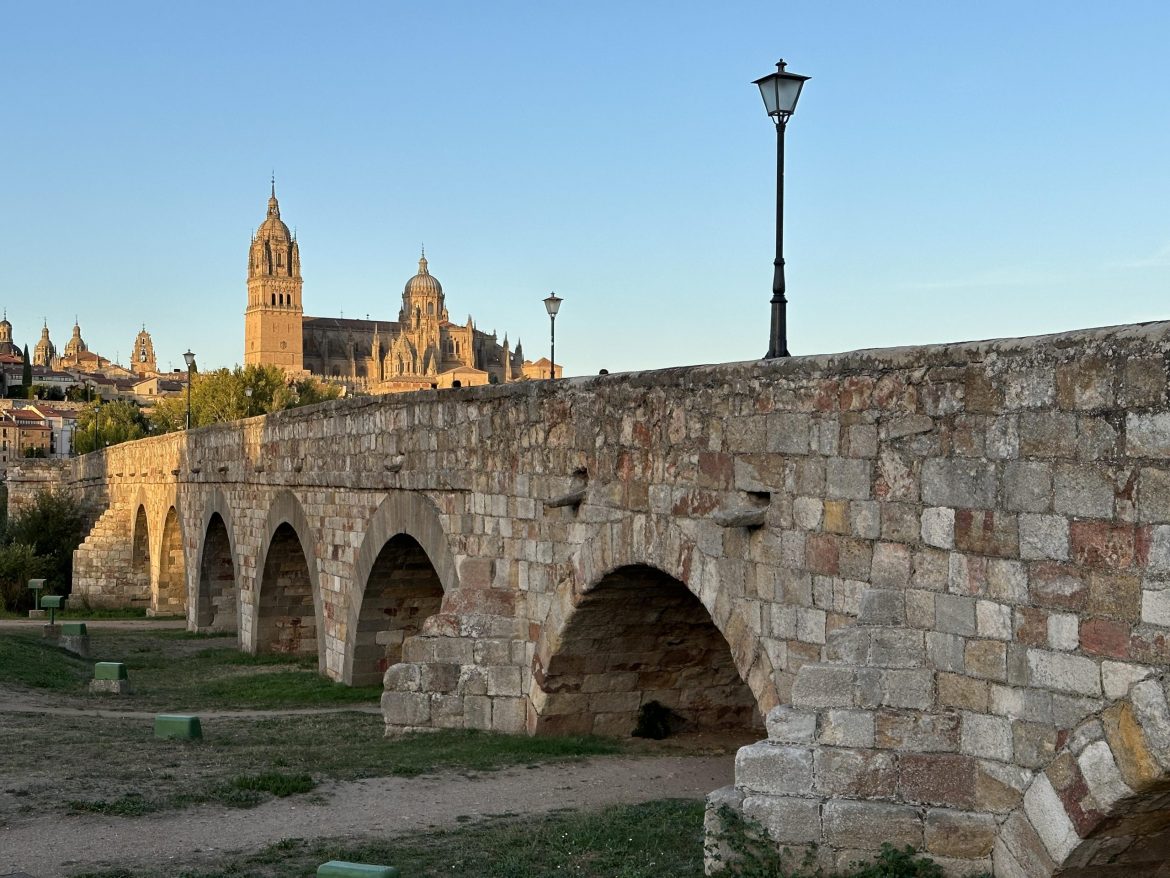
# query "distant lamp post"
(780, 91)
(190, 358)
(552, 304)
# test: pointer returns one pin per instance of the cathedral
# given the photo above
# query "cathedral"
(420, 350)
(77, 356)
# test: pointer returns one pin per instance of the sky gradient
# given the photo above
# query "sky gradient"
(954, 171)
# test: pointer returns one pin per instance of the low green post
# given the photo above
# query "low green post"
(342, 869)
(36, 586)
(177, 726)
(52, 603)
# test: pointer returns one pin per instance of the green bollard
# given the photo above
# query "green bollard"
(342, 869)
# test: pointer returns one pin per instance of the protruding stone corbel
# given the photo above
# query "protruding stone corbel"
(175, 471)
(298, 466)
(751, 513)
(576, 495)
(394, 464)
(196, 470)
(258, 468)
(222, 468)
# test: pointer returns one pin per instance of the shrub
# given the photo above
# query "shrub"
(52, 527)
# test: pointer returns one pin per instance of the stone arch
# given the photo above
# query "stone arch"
(654, 541)
(216, 584)
(403, 568)
(1101, 809)
(169, 596)
(140, 549)
(288, 614)
(638, 636)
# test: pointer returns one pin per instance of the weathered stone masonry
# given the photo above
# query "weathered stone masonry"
(943, 573)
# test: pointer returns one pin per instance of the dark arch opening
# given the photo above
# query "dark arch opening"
(140, 557)
(171, 599)
(402, 590)
(217, 579)
(286, 621)
(641, 637)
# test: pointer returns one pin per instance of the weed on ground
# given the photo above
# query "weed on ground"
(631, 841)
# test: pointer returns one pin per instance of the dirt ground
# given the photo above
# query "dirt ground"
(57, 749)
(375, 807)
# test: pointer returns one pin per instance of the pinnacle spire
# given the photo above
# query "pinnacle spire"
(273, 204)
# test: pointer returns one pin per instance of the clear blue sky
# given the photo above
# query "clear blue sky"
(955, 171)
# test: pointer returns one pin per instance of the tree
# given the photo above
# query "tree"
(26, 375)
(18, 564)
(52, 527)
(101, 424)
(48, 392)
(222, 395)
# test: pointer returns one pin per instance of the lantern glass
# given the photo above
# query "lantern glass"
(780, 92)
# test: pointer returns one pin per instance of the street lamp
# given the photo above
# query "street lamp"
(780, 91)
(552, 304)
(190, 358)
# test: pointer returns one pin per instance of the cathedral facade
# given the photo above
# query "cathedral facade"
(419, 350)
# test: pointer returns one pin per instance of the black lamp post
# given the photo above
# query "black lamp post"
(190, 358)
(552, 304)
(780, 91)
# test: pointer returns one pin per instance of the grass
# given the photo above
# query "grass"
(170, 672)
(116, 766)
(30, 661)
(84, 614)
(631, 841)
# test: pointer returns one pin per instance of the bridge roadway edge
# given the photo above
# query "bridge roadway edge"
(943, 572)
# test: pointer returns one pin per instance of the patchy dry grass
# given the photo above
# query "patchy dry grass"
(629, 841)
(116, 766)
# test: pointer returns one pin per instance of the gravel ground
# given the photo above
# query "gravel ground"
(376, 807)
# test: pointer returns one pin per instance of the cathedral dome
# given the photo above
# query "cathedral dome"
(273, 227)
(423, 283)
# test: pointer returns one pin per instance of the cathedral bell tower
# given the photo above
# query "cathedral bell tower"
(272, 322)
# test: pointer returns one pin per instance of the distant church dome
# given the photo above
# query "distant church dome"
(273, 227)
(423, 283)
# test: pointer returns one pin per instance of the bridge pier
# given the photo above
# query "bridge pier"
(461, 671)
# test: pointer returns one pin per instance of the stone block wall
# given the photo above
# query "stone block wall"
(949, 564)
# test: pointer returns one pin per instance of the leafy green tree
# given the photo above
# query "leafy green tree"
(223, 395)
(49, 392)
(18, 564)
(101, 424)
(52, 527)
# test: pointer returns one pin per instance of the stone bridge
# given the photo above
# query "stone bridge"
(942, 574)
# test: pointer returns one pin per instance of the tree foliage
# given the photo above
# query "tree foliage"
(39, 540)
(222, 395)
(100, 424)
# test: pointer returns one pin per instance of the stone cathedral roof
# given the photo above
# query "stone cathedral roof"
(423, 283)
(273, 227)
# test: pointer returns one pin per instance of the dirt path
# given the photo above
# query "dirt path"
(28, 702)
(372, 807)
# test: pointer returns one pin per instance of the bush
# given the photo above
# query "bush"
(18, 564)
(38, 541)
(751, 853)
